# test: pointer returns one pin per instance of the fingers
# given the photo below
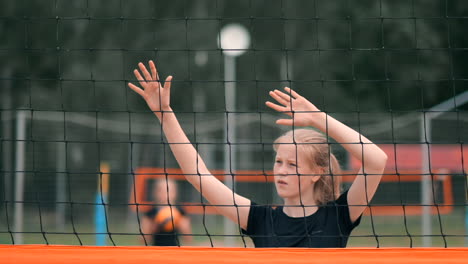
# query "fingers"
(136, 89)
(279, 108)
(286, 97)
(145, 72)
(292, 92)
(154, 71)
(139, 78)
(153, 77)
(167, 85)
(277, 96)
(285, 122)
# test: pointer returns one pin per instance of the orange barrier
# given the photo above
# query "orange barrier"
(144, 174)
(41, 254)
(409, 157)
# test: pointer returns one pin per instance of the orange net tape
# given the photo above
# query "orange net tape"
(38, 254)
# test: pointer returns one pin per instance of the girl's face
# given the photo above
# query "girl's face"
(294, 175)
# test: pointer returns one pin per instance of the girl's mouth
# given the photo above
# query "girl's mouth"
(281, 182)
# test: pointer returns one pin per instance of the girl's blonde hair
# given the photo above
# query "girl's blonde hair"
(315, 147)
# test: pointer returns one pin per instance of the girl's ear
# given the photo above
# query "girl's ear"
(319, 173)
(315, 178)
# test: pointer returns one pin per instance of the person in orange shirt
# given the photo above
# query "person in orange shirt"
(167, 221)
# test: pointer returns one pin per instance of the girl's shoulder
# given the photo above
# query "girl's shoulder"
(254, 205)
(341, 200)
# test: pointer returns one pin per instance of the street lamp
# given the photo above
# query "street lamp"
(234, 40)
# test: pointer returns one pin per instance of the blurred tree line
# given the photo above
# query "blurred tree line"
(364, 60)
(373, 52)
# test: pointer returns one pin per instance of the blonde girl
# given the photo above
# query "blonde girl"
(306, 174)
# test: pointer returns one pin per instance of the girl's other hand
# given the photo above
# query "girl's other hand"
(301, 111)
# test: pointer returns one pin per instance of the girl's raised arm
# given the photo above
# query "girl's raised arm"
(373, 159)
(157, 97)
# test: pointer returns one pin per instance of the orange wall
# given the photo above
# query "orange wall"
(408, 157)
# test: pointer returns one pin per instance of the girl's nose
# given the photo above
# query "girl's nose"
(282, 170)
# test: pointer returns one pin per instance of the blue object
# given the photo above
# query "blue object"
(100, 220)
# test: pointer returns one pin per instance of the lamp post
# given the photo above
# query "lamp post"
(233, 40)
(20, 165)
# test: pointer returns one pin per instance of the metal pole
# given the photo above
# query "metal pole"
(7, 144)
(19, 176)
(230, 136)
(426, 137)
(61, 185)
(426, 183)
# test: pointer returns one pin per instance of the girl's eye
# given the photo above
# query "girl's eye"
(292, 164)
(278, 161)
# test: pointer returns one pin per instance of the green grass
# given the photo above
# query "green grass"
(392, 231)
(382, 231)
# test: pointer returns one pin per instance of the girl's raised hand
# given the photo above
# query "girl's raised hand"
(155, 94)
(301, 111)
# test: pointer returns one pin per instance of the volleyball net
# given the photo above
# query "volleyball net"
(81, 154)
